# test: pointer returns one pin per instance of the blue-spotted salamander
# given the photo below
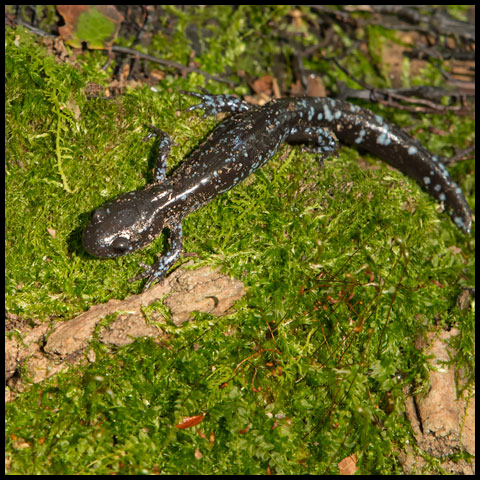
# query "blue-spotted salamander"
(241, 144)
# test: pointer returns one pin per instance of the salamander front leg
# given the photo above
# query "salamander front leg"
(164, 147)
(160, 268)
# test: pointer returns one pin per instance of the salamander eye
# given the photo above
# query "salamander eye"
(98, 216)
(120, 245)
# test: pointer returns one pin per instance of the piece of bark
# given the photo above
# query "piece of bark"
(443, 424)
(200, 290)
(183, 292)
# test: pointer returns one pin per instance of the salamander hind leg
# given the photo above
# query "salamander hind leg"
(317, 139)
(160, 268)
(214, 104)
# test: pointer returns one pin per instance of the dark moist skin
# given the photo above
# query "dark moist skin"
(238, 147)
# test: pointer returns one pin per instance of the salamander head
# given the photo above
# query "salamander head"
(122, 226)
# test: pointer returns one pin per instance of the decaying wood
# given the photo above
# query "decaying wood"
(42, 350)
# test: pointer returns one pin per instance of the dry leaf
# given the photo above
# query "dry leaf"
(190, 422)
